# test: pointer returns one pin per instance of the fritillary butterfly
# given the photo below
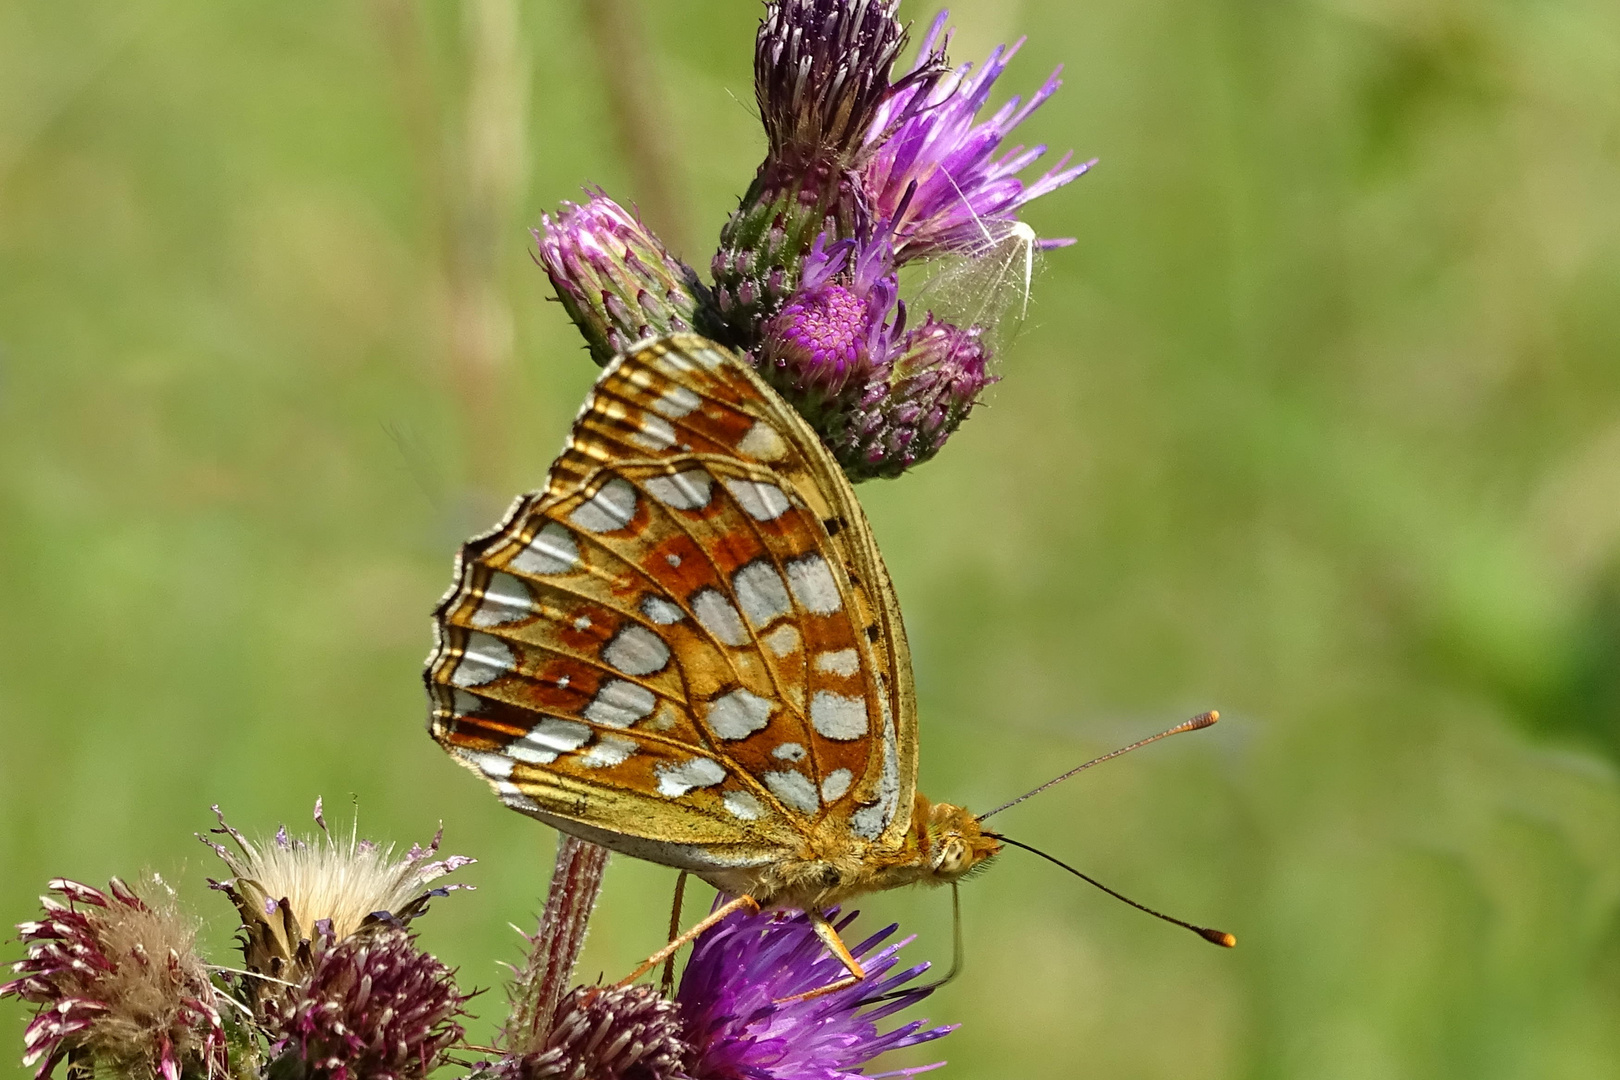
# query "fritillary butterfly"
(686, 648)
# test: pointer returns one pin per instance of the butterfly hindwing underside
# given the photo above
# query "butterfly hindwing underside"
(686, 647)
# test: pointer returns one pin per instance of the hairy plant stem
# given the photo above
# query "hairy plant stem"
(576, 881)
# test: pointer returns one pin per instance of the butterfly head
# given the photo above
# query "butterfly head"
(954, 843)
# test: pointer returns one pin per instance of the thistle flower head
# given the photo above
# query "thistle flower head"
(882, 398)
(822, 77)
(928, 134)
(821, 73)
(286, 886)
(741, 969)
(374, 1007)
(839, 327)
(607, 1033)
(118, 985)
(615, 279)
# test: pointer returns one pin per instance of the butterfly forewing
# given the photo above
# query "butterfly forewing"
(686, 647)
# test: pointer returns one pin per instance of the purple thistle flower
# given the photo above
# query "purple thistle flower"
(839, 328)
(821, 76)
(741, 968)
(925, 134)
(615, 279)
(375, 1007)
(118, 986)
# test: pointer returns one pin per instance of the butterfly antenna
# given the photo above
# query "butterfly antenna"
(1219, 937)
(1203, 720)
(956, 957)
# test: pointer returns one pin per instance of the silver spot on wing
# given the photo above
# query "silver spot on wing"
(676, 780)
(689, 490)
(552, 551)
(620, 704)
(610, 509)
(636, 650)
(761, 593)
(738, 714)
(794, 789)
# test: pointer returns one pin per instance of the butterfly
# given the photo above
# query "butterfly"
(686, 648)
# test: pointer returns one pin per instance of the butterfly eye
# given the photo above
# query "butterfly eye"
(952, 859)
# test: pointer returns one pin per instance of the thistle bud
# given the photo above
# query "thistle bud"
(606, 1033)
(905, 415)
(615, 279)
(374, 1007)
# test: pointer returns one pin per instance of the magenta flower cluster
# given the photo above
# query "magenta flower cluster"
(743, 970)
(332, 984)
(867, 170)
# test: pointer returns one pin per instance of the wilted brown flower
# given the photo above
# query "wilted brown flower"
(286, 887)
(119, 986)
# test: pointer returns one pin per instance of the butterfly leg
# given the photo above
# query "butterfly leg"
(741, 903)
(666, 985)
(828, 934)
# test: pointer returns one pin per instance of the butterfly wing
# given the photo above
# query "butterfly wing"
(686, 647)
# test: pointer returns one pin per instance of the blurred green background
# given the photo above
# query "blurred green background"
(1318, 424)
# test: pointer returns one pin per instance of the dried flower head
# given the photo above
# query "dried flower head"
(119, 986)
(607, 1033)
(741, 969)
(927, 137)
(374, 1007)
(286, 886)
(615, 279)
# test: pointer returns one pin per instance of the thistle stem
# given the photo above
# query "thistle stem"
(576, 881)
